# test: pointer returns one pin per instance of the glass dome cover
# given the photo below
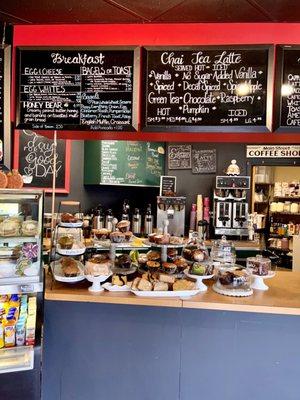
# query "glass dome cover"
(223, 251)
(195, 250)
(260, 265)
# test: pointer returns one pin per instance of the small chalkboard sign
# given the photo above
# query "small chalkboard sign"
(207, 88)
(179, 156)
(167, 185)
(33, 157)
(287, 110)
(204, 161)
(90, 89)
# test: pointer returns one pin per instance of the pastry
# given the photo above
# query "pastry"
(160, 286)
(176, 240)
(14, 180)
(167, 278)
(124, 261)
(123, 226)
(162, 239)
(184, 284)
(151, 237)
(66, 241)
(67, 217)
(144, 285)
(181, 264)
(3, 180)
(198, 255)
(9, 227)
(29, 228)
(187, 254)
(69, 266)
(153, 266)
(97, 266)
(169, 268)
(117, 237)
(101, 234)
(172, 253)
(153, 255)
(128, 236)
(201, 269)
(135, 283)
(142, 259)
(116, 280)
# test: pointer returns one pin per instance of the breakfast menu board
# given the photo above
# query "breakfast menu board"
(287, 89)
(207, 88)
(77, 89)
(127, 163)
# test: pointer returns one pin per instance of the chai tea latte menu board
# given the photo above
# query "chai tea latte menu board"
(91, 89)
(287, 88)
(123, 163)
(207, 89)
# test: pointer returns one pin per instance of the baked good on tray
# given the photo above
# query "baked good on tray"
(66, 241)
(97, 266)
(14, 180)
(68, 217)
(69, 267)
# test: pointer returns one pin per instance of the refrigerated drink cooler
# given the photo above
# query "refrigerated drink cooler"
(173, 210)
(231, 205)
(21, 293)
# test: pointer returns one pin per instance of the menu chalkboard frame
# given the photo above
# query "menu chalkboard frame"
(78, 128)
(5, 135)
(67, 163)
(280, 50)
(209, 128)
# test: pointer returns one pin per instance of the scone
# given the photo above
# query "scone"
(144, 285)
(184, 284)
(160, 286)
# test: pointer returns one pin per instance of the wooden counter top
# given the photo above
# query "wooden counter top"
(283, 297)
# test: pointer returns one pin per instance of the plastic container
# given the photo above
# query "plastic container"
(259, 265)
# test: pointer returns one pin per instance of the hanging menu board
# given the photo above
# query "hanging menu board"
(127, 163)
(207, 89)
(90, 89)
(287, 89)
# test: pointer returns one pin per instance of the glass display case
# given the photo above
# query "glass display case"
(21, 278)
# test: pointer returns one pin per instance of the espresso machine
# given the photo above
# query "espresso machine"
(171, 209)
(231, 205)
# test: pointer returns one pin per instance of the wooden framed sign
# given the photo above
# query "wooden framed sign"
(33, 157)
(212, 89)
(85, 89)
(287, 89)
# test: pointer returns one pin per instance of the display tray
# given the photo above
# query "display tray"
(77, 250)
(232, 292)
(115, 288)
(16, 359)
(158, 293)
(71, 224)
(60, 277)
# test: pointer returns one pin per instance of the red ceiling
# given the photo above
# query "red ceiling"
(146, 11)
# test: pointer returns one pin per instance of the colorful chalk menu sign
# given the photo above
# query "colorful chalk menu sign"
(91, 89)
(207, 89)
(123, 163)
(287, 88)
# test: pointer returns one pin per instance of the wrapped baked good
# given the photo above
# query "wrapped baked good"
(117, 237)
(14, 180)
(29, 228)
(10, 227)
(66, 241)
(123, 226)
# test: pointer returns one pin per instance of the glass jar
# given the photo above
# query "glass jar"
(223, 251)
(259, 265)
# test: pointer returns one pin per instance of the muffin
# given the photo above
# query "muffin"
(117, 237)
(153, 266)
(180, 263)
(169, 268)
(69, 267)
(172, 253)
(124, 261)
(153, 255)
(66, 241)
(123, 226)
(128, 236)
(67, 217)
(187, 254)
(151, 237)
(101, 234)
(162, 239)
(198, 255)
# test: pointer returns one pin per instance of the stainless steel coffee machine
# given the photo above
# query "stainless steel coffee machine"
(173, 210)
(231, 205)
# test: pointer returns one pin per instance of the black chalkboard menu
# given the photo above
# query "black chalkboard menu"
(123, 163)
(204, 161)
(224, 88)
(287, 88)
(180, 156)
(34, 161)
(91, 89)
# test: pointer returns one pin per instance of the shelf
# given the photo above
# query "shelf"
(16, 359)
(286, 198)
(18, 239)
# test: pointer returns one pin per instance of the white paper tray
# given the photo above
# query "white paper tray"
(179, 293)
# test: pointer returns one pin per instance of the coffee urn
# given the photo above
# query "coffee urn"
(148, 221)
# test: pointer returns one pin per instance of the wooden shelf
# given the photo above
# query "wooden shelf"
(282, 297)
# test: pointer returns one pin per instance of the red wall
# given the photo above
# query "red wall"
(159, 35)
